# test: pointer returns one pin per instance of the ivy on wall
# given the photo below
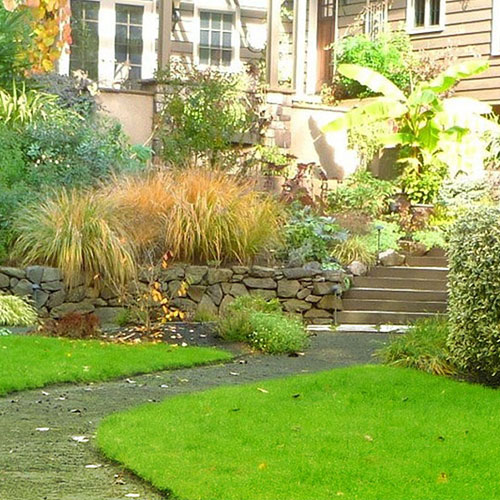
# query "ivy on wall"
(51, 30)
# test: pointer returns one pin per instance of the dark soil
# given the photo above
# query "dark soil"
(50, 464)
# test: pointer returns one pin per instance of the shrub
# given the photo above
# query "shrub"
(422, 347)
(15, 311)
(474, 281)
(275, 333)
(74, 326)
(390, 234)
(354, 248)
(362, 192)
(430, 238)
(79, 233)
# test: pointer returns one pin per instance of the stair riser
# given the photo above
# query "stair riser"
(399, 284)
(393, 306)
(384, 294)
(409, 273)
(382, 318)
(426, 262)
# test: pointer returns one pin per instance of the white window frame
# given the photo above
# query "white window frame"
(107, 31)
(217, 7)
(427, 28)
(495, 29)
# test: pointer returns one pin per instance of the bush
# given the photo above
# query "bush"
(275, 333)
(362, 192)
(474, 281)
(80, 233)
(15, 311)
(430, 238)
(390, 234)
(354, 248)
(422, 347)
(74, 326)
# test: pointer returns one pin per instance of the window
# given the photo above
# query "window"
(425, 15)
(216, 39)
(495, 29)
(375, 19)
(128, 40)
(84, 29)
(326, 8)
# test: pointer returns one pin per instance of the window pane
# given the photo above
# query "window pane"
(205, 19)
(92, 11)
(135, 73)
(435, 7)
(226, 40)
(419, 13)
(204, 56)
(215, 57)
(121, 14)
(226, 57)
(136, 14)
(204, 37)
(228, 22)
(121, 34)
(216, 21)
(215, 39)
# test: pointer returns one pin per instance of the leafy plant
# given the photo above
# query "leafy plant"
(430, 238)
(275, 333)
(15, 311)
(390, 234)
(73, 326)
(432, 132)
(80, 233)
(474, 280)
(273, 161)
(422, 347)
(354, 248)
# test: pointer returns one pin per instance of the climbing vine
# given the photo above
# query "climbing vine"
(51, 30)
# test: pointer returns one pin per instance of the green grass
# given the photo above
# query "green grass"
(365, 433)
(32, 361)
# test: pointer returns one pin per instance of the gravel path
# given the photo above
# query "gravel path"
(36, 463)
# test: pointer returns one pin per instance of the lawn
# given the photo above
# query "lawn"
(32, 361)
(369, 432)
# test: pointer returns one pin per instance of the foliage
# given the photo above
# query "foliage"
(35, 361)
(203, 315)
(204, 112)
(15, 39)
(422, 347)
(390, 234)
(275, 333)
(354, 248)
(80, 233)
(363, 193)
(457, 194)
(309, 236)
(432, 132)
(430, 238)
(317, 436)
(73, 326)
(273, 161)
(367, 141)
(15, 311)
(474, 280)
(235, 324)
(389, 53)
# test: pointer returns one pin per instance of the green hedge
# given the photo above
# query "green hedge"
(474, 303)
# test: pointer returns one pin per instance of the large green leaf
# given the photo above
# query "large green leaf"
(457, 72)
(381, 109)
(371, 79)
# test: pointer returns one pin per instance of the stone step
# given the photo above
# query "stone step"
(359, 293)
(392, 305)
(426, 261)
(379, 318)
(436, 252)
(399, 283)
(421, 273)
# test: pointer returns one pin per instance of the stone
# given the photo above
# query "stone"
(13, 272)
(225, 302)
(219, 275)
(23, 287)
(336, 276)
(265, 294)
(237, 278)
(331, 303)
(207, 305)
(238, 289)
(51, 274)
(240, 269)
(172, 273)
(326, 288)
(13, 282)
(357, 268)
(317, 313)
(76, 294)
(40, 297)
(34, 274)
(52, 286)
(84, 307)
(314, 266)
(296, 273)
(195, 292)
(109, 315)
(288, 288)
(56, 299)
(92, 293)
(265, 283)
(215, 293)
(174, 287)
(226, 288)
(118, 302)
(185, 305)
(261, 272)
(99, 302)
(296, 306)
(195, 274)
(313, 299)
(108, 293)
(391, 258)
(304, 293)
(4, 281)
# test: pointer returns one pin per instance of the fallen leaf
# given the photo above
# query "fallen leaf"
(262, 390)
(93, 466)
(80, 439)
(164, 386)
(368, 437)
(132, 495)
(43, 429)
(130, 381)
(46, 393)
(234, 374)
(262, 466)
(442, 478)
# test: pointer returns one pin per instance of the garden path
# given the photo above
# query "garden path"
(41, 464)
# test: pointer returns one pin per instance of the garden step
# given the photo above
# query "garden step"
(425, 261)
(379, 318)
(421, 273)
(436, 252)
(399, 283)
(393, 305)
(394, 294)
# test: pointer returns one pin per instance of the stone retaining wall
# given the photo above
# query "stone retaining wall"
(308, 290)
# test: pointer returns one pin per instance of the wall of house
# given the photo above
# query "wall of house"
(467, 33)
